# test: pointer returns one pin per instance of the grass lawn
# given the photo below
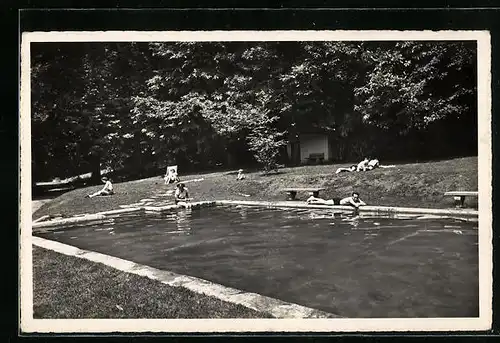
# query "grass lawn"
(407, 185)
(70, 287)
(67, 287)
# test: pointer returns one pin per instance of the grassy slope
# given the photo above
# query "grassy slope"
(419, 185)
(70, 287)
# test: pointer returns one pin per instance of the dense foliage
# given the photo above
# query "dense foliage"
(137, 107)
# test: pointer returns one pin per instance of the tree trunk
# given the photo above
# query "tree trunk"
(95, 165)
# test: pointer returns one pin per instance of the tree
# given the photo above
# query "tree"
(80, 102)
(411, 86)
(138, 107)
(266, 144)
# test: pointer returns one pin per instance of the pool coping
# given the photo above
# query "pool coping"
(106, 215)
(275, 307)
(362, 209)
(463, 214)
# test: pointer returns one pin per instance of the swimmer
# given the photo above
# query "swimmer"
(353, 200)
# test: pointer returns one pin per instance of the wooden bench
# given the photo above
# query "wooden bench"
(316, 158)
(459, 196)
(292, 192)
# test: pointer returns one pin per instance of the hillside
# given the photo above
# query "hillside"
(411, 185)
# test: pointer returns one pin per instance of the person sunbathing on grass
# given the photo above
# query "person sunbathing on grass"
(363, 165)
(182, 196)
(171, 176)
(372, 164)
(350, 169)
(353, 200)
(106, 190)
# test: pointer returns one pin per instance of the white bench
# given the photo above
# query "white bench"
(292, 191)
(459, 196)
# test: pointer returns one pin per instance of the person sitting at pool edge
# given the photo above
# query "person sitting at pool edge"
(350, 169)
(106, 190)
(181, 195)
(353, 200)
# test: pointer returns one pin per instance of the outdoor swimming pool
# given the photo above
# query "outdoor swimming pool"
(350, 266)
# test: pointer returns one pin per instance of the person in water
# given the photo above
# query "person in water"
(106, 190)
(353, 200)
(182, 196)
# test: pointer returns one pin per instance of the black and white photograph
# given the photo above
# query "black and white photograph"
(218, 181)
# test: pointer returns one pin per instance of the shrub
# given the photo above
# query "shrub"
(265, 143)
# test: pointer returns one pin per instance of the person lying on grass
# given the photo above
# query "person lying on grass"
(353, 200)
(363, 165)
(106, 190)
(350, 169)
(372, 164)
(182, 196)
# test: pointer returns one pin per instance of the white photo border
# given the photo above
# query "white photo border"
(30, 325)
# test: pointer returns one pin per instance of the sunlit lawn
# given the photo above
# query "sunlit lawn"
(70, 287)
(414, 185)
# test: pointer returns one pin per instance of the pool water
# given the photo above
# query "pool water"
(350, 266)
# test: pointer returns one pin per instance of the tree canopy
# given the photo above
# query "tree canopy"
(138, 107)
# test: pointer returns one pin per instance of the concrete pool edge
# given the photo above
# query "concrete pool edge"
(464, 214)
(105, 215)
(384, 210)
(275, 307)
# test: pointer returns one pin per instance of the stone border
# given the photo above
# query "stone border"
(376, 210)
(72, 220)
(106, 215)
(275, 307)
(462, 214)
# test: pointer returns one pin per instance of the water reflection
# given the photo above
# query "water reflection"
(183, 220)
(354, 222)
(243, 211)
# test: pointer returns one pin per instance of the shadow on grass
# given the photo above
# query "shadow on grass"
(272, 173)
